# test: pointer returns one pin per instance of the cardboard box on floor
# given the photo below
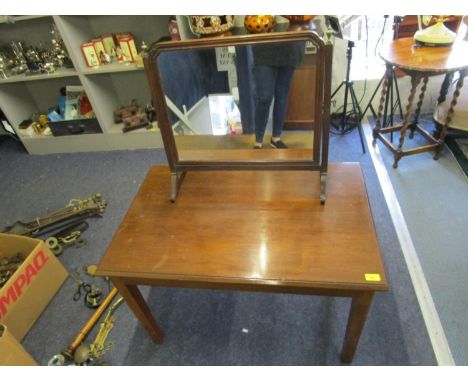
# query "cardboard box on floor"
(28, 291)
(13, 354)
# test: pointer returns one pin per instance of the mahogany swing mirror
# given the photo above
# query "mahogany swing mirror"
(223, 103)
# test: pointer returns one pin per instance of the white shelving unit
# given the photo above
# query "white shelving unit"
(107, 87)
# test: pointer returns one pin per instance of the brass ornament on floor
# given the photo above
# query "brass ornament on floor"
(64, 357)
(90, 353)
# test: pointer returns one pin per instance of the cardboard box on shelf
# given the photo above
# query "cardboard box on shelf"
(127, 44)
(13, 354)
(28, 291)
(90, 55)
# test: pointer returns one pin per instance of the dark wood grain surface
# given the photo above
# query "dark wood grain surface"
(262, 228)
(404, 54)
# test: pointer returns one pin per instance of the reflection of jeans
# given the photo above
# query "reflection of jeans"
(271, 81)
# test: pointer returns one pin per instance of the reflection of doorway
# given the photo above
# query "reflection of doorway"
(225, 115)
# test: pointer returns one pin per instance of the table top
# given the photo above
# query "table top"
(405, 55)
(264, 228)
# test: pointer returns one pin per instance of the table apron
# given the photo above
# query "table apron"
(243, 287)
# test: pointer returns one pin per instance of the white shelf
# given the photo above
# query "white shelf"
(114, 67)
(23, 95)
(6, 19)
(117, 129)
(137, 139)
(59, 73)
(27, 137)
(67, 144)
(28, 17)
(35, 137)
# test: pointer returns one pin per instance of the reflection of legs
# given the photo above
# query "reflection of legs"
(283, 83)
(264, 89)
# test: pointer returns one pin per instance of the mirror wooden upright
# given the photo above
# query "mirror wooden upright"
(311, 153)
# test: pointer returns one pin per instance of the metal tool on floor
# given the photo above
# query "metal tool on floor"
(92, 294)
(71, 235)
(82, 286)
(95, 205)
(94, 298)
(67, 355)
(91, 353)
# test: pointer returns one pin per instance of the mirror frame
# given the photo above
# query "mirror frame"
(178, 167)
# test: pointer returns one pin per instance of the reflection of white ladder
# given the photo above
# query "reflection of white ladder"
(182, 117)
(226, 62)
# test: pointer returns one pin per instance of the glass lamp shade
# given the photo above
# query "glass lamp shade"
(437, 34)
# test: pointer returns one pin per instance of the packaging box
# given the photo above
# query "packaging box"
(98, 47)
(13, 354)
(109, 44)
(90, 55)
(75, 127)
(127, 44)
(28, 291)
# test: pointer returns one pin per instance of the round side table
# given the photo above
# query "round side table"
(420, 63)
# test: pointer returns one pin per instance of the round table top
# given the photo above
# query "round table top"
(405, 55)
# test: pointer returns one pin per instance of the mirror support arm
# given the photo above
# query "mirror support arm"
(323, 187)
(176, 180)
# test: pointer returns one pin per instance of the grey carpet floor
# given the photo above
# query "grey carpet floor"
(433, 196)
(207, 327)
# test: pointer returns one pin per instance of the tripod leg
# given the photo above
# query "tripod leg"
(387, 100)
(369, 105)
(357, 112)
(337, 114)
(349, 56)
(345, 107)
(337, 89)
(391, 108)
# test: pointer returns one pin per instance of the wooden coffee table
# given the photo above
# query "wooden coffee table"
(262, 231)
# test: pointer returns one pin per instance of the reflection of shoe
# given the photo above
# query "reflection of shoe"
(278, 144)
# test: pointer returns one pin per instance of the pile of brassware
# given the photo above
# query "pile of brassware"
(19, 58)
(63, 228)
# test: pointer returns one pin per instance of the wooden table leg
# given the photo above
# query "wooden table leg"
(415, 122)
(415, 80)
(137, 304)
(448, 118)
(357, 318)
(442, 97)
(378, 123)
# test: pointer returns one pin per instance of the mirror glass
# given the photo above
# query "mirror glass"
(234, 103)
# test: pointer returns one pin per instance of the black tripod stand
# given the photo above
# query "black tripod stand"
(392, 100)
(347, 120)
(392, 97)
